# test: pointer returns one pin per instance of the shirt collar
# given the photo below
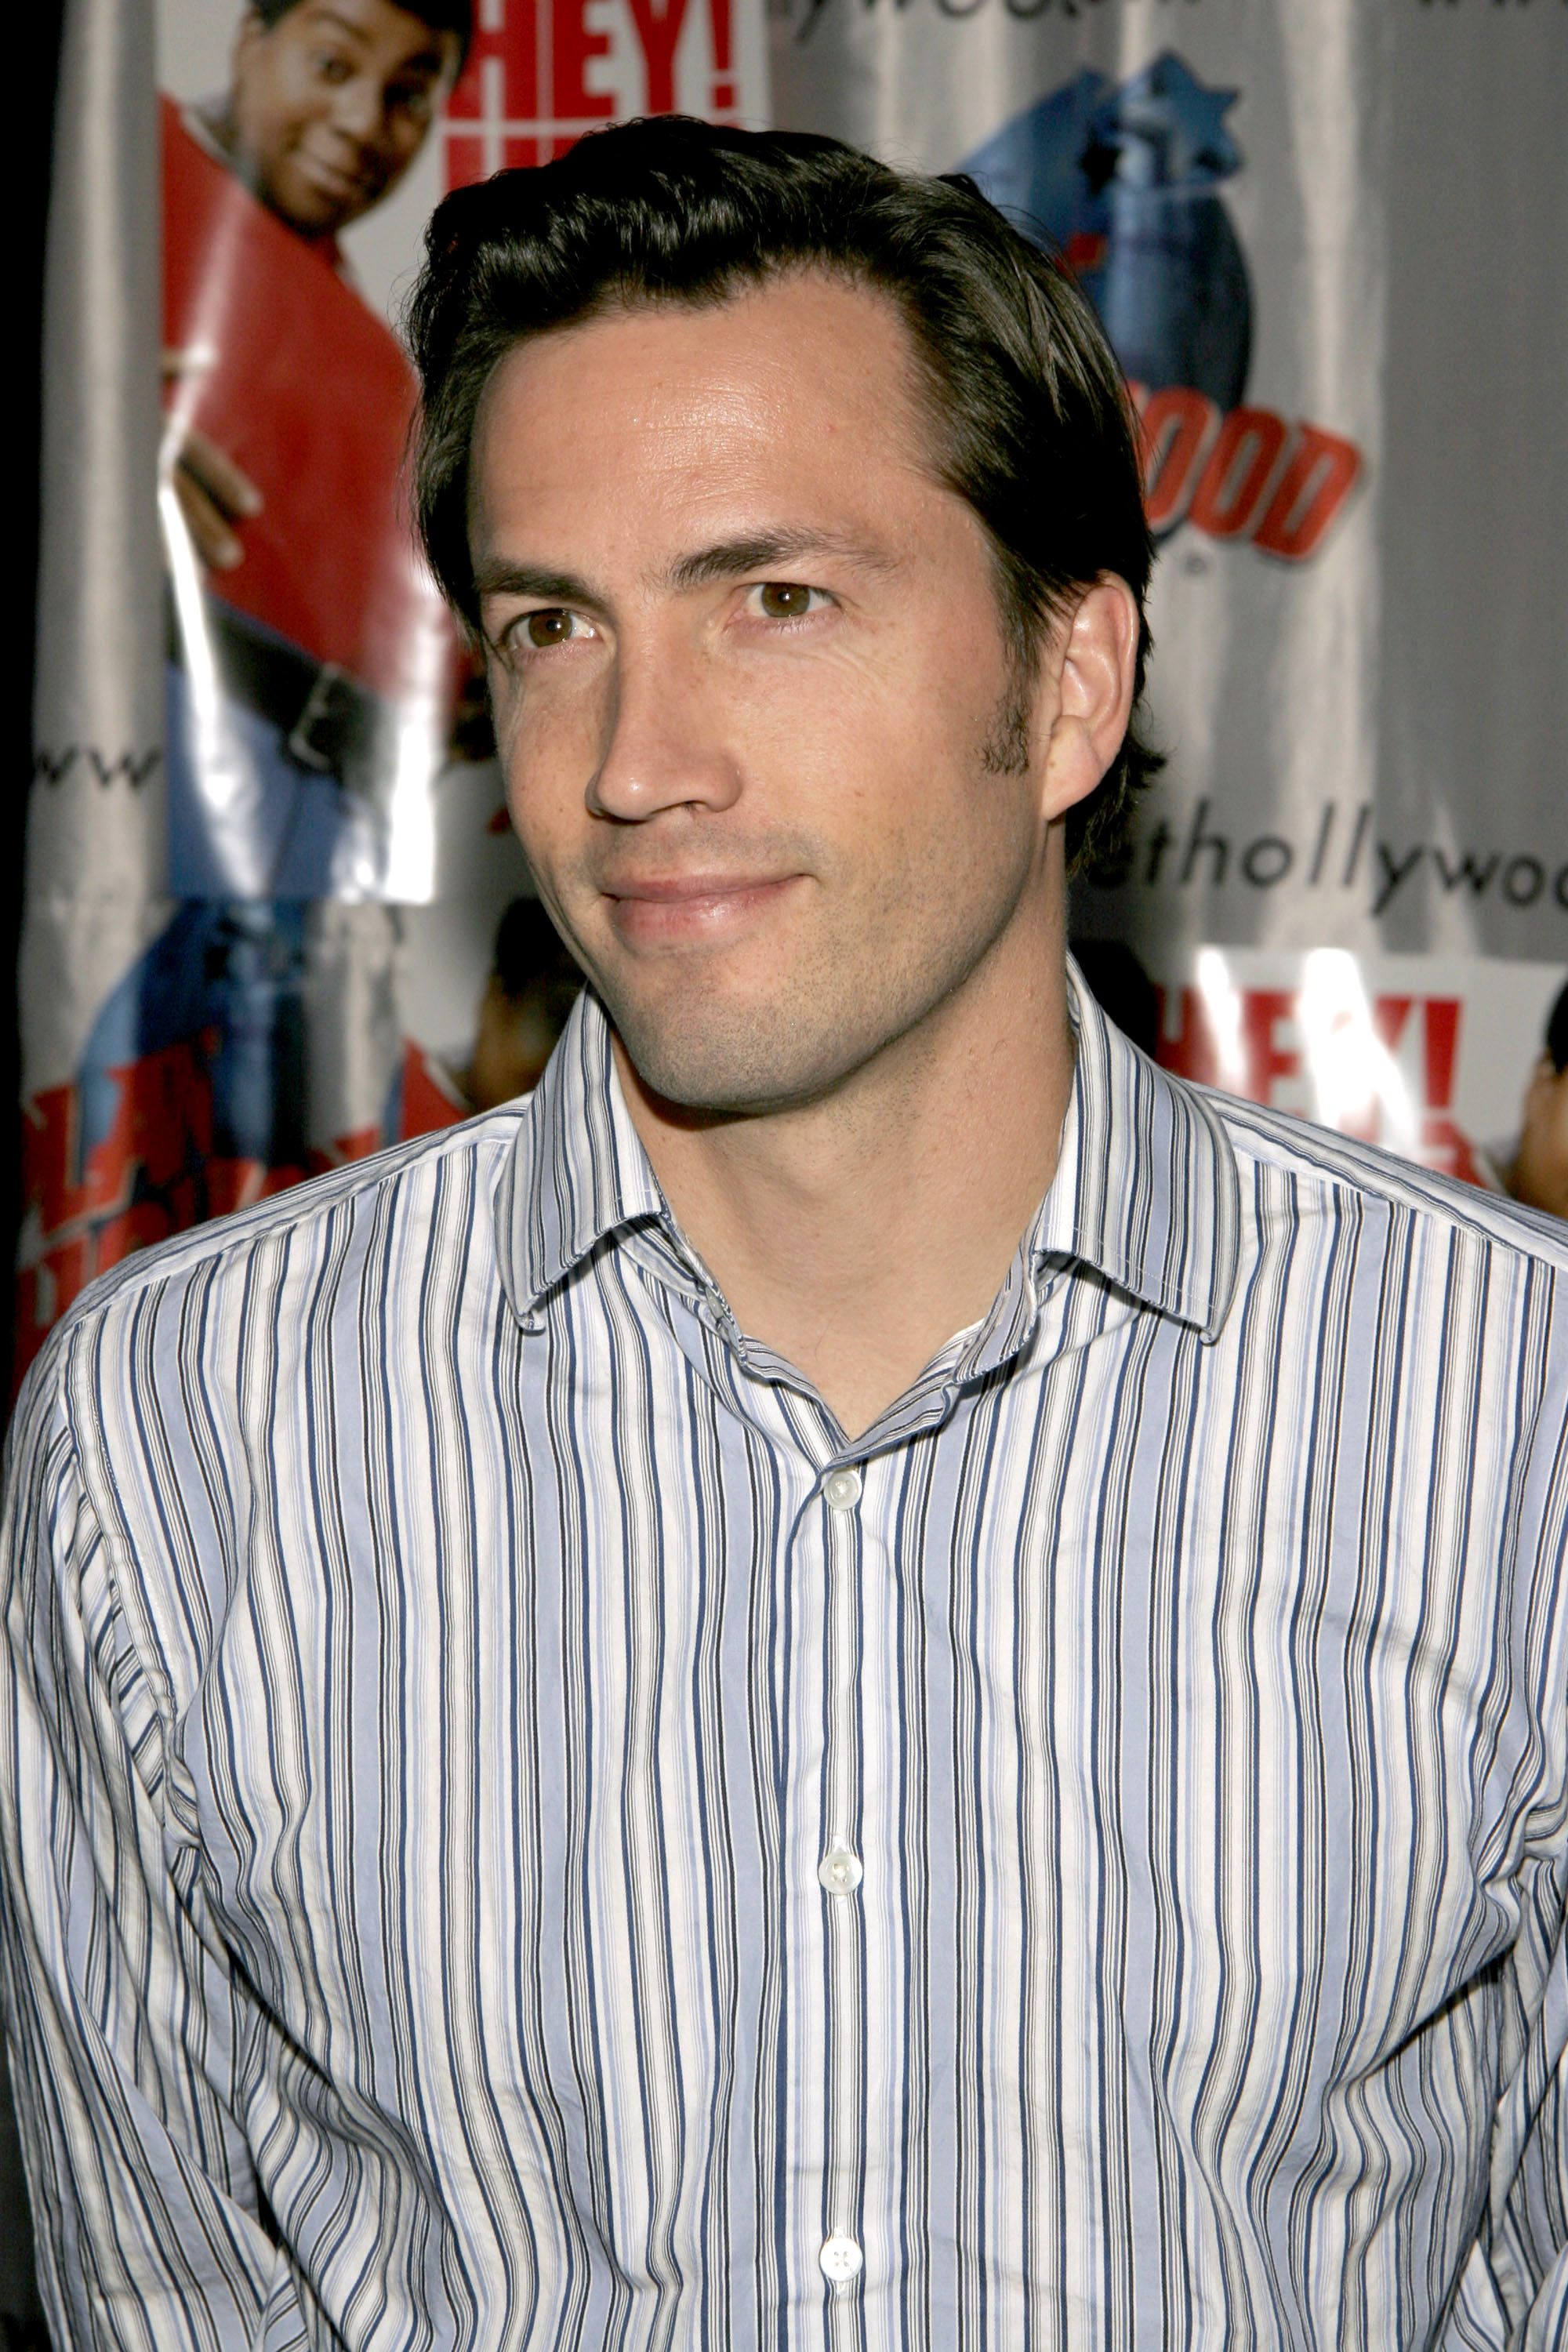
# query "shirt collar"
(1146, 1190)
(577, 1171)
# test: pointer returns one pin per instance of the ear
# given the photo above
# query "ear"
(1095, 666)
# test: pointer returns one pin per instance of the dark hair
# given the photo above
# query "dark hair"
(1122, 990)
(1557, 1034)
(1033, 422)
(441, 16)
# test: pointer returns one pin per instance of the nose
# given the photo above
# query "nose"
(666, 744)
(357, 109)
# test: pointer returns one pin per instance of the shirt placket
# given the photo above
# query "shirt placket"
(832, 2052)
(840, 1872)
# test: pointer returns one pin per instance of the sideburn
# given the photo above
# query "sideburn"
(1005, 751)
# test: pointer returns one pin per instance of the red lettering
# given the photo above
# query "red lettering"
(1194, 1052)
(1178, 426)
(240, 1183)
(574, 49)
(1262, 1010)
(1318, 477)
(465, 163)
(1448, 1149)
(1238, 472)
(358, 1143)
(1441, 1040)
(139, 1228)
(658, 30)
(498, 85)
(151, 1175)
(163, 1123)
(1389, 1015)
(49, 1148)
(500, 80)
(430, 1100)
(719, 21)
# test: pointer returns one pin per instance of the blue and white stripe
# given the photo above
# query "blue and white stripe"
(442, 1650)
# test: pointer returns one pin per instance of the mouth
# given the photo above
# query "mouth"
(330, 180)
(693, 910)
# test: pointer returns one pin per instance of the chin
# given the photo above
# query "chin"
(307, 214)
(732, 1059)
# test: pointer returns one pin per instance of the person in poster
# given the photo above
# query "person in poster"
(311, 667)
(314, 648)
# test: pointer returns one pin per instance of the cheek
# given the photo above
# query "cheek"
(402, 138)
(549, 755)
(548, 733)
(926, 699)
(845, 725)
(907, 746)
(294, 99)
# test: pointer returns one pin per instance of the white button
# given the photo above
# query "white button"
(842, 1490)
(841, 2259)
(839, 1869)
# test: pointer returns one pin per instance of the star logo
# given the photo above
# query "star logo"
(1161, 130)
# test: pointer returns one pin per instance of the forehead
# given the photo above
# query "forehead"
(371, 25)
(801, 382)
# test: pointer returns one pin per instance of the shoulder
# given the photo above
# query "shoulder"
(395, 1192)
(1315, 1161)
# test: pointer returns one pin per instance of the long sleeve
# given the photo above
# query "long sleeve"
(1515, 2289)
(1513, 2292)
(123, 2023)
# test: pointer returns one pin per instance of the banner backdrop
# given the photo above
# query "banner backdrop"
(263, 886)
(1327, 242)
(265, 871)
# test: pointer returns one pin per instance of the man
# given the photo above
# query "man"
(868, 1675)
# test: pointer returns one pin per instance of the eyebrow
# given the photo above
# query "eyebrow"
(503, 579)
(356, 33)
(728, 558)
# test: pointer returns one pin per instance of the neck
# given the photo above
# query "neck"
(855, 1234)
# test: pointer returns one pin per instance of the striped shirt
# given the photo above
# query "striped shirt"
(518, 1834)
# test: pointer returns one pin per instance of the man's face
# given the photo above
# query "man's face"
(751, 686)
(332, 104)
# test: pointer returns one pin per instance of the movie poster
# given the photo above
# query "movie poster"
(1326, 242)
(276, 916)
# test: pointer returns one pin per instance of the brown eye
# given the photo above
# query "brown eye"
(550, 628)
(784, 600)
